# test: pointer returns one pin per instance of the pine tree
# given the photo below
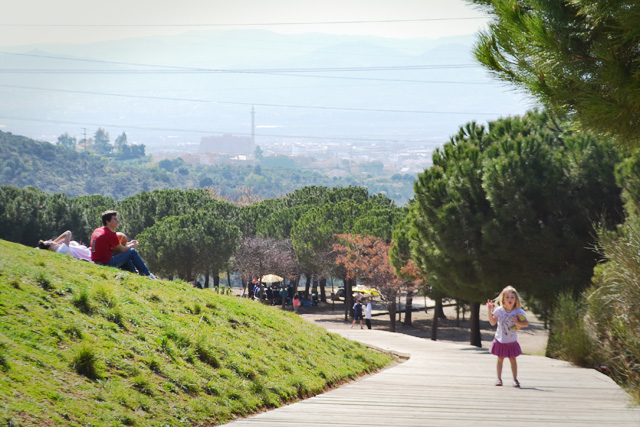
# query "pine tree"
(581, 57)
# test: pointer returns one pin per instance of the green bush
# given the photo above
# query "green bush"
(43, 281)
(614, 306)
(4, 362)
(104, 295)
(570, 339)
(206, 354)
(143, 385)
(74, 331)
(197, 308)
(82, 301)
(114, 315)
(86, 362)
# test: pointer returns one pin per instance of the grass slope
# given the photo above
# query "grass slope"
(85, 345)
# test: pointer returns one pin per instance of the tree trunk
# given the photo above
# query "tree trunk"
(229, 280)
(216, 280)
(399, 309)
(348, 299)
(323, 285)
(476, 338)
(392, 316)
(284, 293)
(307, 286)
(206, 280)
(408, 309)
(296, 281)
(434, 326)
(314, 289)
(440, 309)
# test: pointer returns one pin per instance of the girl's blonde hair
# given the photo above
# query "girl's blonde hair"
(500, 298)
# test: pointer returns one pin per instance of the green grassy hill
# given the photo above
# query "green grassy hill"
(85, 345)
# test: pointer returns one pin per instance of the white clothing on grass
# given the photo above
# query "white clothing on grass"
(76, 250)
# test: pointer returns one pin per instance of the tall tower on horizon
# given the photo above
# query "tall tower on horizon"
(253, 126)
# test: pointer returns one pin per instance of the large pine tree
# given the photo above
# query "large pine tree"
(581, 57)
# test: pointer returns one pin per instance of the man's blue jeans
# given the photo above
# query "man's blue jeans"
(129, 260)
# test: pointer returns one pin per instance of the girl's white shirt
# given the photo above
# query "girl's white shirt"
(506, 331)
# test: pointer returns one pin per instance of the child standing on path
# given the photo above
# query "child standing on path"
(296, 303)
(509, 316)
(357, 313)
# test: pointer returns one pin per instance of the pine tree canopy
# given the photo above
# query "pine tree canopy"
(580, 57)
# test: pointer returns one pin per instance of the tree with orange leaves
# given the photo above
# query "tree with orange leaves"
(366, 258)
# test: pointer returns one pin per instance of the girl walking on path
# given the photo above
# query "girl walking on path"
(509, 316)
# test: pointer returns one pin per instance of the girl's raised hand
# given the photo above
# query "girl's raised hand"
(490, 304)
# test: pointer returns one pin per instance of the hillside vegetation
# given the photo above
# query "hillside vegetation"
(55, 169)
(82, 344)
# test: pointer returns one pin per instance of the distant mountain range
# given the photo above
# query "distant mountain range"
(171, 90)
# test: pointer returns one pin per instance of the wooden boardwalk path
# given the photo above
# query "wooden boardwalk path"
(444, 384)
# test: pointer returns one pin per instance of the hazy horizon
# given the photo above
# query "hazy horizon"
(169, 75)
(77, 21)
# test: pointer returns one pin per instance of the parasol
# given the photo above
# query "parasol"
(271, 278)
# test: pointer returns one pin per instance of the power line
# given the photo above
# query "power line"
(168, 69)
(255, 24)
(231, 71)
(164, 98)
(206, 132)
(163, 69)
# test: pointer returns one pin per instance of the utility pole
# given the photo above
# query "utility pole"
(253, 126)
(85, 138)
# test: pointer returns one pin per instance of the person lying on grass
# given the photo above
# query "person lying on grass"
(64, 245)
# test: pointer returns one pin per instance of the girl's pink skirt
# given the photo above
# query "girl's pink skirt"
(509, 350)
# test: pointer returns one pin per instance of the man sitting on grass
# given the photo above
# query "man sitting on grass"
(106, 248)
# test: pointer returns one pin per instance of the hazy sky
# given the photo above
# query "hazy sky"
(37, 21)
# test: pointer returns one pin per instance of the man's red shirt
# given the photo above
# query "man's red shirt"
(103, 241)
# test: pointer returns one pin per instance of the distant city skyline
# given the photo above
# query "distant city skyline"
(78, 21)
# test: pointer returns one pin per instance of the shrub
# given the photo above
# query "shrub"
(4, 362)
(43, 281)
(206, 354)
(154, 365)
(114, 315)
(82, 301)
(73, 331)
(104, 296)
(143, 385)
(197, 308)
(570, 339)
(86, 362)
(614, 305)
(187, 382)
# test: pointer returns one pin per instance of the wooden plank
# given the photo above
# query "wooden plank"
(445, 384)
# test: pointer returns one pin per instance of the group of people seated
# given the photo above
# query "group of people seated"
(107, 247)
(272, 293)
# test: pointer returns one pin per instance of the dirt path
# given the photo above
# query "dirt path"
(533, 339)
